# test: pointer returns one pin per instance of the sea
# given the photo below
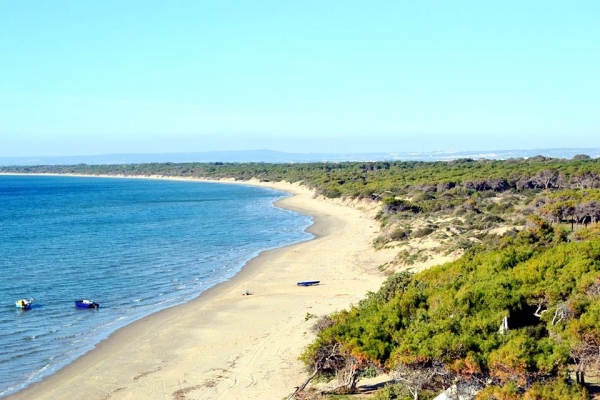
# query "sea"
(135, 246)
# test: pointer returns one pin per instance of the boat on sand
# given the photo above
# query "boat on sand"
(307, 283)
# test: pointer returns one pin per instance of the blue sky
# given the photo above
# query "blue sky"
(97, 77)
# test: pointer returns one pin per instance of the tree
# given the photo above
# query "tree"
(585, 180)
(547, 178)
(585, 336)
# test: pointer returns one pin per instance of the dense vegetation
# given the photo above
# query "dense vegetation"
(375, 179)
(581, 206)
(445, 326)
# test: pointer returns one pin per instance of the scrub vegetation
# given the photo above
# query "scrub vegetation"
(510, 320)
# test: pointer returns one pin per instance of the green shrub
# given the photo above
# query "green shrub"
(394, 391)
(450, 315)
(422, 196)
(422, 232)
(400, 234)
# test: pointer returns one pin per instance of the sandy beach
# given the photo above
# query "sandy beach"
(226, 345)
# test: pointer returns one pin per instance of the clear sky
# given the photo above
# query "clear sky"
(97, 77)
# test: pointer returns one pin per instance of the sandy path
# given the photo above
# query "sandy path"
(224, 345)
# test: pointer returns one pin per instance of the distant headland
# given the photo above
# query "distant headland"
(270, 156)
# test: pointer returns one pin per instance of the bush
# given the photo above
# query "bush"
(400, 234)
(556, 390)
(395, 391)
(422, 196)
(380, 241)
(332, 193)
(422, 232)
(393, 206)
(322, 323)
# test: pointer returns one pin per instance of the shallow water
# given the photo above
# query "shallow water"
(134, 246)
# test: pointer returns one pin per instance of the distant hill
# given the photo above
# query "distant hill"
(270, 156)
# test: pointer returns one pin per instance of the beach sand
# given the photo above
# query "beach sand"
(226, 345)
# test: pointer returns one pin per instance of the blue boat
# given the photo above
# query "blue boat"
(307, 283)
(86, 304)
(24, 304)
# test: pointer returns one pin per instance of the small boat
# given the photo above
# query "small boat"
(24, 304)
(307, 283)
(86, 304)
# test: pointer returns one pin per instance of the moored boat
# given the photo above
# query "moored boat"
(86, 304)
(24, 304)
(307, 283)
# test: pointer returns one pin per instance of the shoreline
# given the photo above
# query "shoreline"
(219, 345)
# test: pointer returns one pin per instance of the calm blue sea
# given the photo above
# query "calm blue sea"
(134, 246)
